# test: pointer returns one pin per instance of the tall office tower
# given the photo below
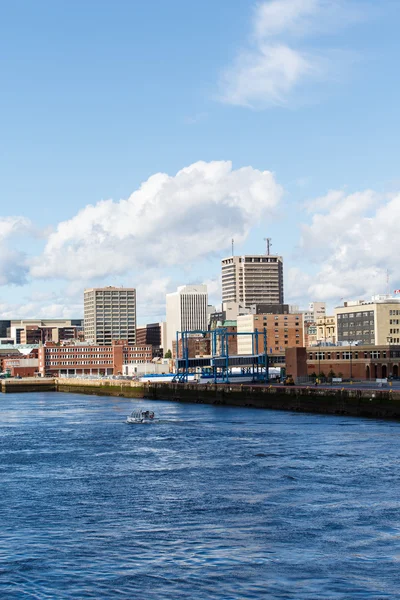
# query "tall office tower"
(251, 280)
(186, 311)
(110, 314)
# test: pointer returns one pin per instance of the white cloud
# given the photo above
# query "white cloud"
(262, 78)
(47, 306)
(150, 293)
(355, 240)
(279, 16)
(277, 61)
(13, 261)
(168, 221)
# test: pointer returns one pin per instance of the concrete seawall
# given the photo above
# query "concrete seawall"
(28, 384)
(102, 387)
(352, 402)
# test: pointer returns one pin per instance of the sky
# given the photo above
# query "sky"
(138, 138)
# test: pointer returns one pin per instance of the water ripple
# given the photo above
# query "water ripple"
(209, 503)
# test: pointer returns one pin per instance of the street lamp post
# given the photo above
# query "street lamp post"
(389, 341)
(351, 364)
(319, 359)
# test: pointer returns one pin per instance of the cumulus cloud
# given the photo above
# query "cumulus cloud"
(43, 306)
(355, 240)
(168, 221)
(13, 261)
(277, 60)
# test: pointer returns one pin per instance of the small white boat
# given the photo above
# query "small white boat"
(140, 416)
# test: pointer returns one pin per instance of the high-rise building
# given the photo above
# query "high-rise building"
(110, 314)
(251, 280)
(186, 311)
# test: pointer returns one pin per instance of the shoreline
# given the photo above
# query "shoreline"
(382, 404)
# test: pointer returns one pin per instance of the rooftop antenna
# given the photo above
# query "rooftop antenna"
(233, 246)
(269, 244)
(388, 282)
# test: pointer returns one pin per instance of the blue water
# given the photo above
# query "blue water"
(208, 503)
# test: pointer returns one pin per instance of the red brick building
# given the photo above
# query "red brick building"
(90, 360)
(22, 365)
(358, 362)
(197, 346)
(283, 331)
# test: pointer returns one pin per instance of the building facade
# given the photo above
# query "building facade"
(186, 311)
(310, 333)
(256, 279)
(357, 362)
(86, 359)
(151, 334)
(219, 321)
(283, 331)
(269, 309)
(36, 331)
(326, 330)
(197, 346)
(21, 366)
(315, 311)
(375, 322)
(109, 315)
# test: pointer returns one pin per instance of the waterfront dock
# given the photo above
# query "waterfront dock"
(383, 403)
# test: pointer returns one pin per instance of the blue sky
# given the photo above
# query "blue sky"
(99, 96)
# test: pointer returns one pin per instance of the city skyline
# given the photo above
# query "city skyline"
(284, 126)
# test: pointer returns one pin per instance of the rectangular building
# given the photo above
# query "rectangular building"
(151, 334)
(326, 330)
(109, 315)
(256, 279)
(356, 362)
(283, 331)
(36, 331)
(375, 322)
(91, 359)
(197, 346)
(186, 311)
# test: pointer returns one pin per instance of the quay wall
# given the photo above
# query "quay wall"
(345, 401)
(332, 401)
(28, 384)
(102, 387)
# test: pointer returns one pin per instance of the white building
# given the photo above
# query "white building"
(148, 368)
(110, 314)
(315, 311)
(256, 279)
(186, 311)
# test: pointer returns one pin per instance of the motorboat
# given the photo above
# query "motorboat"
(140, 416)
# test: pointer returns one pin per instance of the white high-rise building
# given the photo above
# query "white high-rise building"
(186, 311)
(110, 314)
(256, 279)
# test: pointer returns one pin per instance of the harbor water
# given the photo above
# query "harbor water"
(206, 502)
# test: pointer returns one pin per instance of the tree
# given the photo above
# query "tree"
(168, 354)
(331, 374)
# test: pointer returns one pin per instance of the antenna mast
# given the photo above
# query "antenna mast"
(233, 245)
(269, 244)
